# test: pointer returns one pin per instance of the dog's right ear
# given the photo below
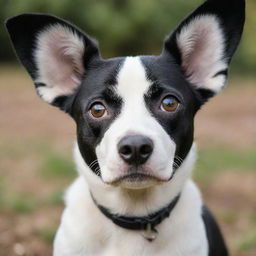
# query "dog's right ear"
(55, 54)
(204, 43)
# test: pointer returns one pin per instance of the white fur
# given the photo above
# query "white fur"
(201, 43)
(135, 118)
(58, 55)
(84, 231)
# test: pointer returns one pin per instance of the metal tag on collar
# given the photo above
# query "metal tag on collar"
(150, 233)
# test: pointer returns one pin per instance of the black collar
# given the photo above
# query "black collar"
(139, 223)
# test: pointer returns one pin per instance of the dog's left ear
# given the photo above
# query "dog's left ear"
(203, 44)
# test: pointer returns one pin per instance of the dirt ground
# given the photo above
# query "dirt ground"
(26, 123)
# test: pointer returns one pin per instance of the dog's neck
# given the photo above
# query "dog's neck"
(136, 202)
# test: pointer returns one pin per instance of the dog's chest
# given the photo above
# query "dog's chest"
(164, 245)
(115, 242)
(89, 233)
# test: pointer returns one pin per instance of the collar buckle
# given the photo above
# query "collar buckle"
(150, 233)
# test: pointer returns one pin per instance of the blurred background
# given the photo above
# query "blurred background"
(36, 139)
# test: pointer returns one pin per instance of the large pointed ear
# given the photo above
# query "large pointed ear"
(55, 54)
(203, 44)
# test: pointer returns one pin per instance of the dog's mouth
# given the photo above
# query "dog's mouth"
(136, 180)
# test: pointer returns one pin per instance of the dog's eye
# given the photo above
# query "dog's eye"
(98, 110)
(169, 104)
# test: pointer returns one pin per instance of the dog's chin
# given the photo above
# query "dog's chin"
(136, 180)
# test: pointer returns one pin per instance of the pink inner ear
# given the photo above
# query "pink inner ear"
(72, 56)
(59, 57)
(201, 43)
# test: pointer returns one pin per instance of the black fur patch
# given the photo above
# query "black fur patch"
(97, 86)
(216, 243)
(203, 95)
(64, 102)
(37, 85)
(168, 79)
(222, 72)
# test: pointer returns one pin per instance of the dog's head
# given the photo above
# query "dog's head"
(134, 115)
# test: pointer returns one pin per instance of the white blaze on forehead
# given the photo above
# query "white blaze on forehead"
(132, 85)
(132, 80)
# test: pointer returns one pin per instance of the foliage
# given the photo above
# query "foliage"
(126, 27)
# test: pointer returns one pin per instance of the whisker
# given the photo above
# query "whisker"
(176, 166)
(93, 163)
(178, 160)
(97, 171)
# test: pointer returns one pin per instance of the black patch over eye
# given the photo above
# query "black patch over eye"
(169, 104)
(98, 110)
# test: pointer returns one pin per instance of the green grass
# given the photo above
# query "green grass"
(50, 165)
(53, 164)
(54, 198)
(56, 165)
(22, 204)
(47, 234)
(14, 202)
(227, 215)
(18, 203)
(2, 189)
(212, 161)
(248, 242)
(253, 218)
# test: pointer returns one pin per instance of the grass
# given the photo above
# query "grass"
(47, 234)
(17, 203)
(2, 189)
(56, 165)
(227, 215)
(248, 241)
(13, 201)
(54, 198)
(22, 203)
(212, 161)
(27, 203)
(50, 165)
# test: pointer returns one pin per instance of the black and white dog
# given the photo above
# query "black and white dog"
(134, 117)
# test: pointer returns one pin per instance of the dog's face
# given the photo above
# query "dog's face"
(134, 119)
(134, 115)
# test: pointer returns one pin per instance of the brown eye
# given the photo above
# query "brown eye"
(97, 110)
(169, 104)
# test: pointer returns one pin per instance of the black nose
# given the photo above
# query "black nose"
(135, 149)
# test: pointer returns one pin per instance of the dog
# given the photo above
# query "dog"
(134, 116)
